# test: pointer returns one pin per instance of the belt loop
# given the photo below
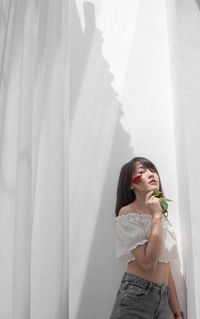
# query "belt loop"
(123, 277)
(149, 287)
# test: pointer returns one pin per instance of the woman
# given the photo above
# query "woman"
(147, 242)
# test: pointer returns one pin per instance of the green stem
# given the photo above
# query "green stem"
(168, 220)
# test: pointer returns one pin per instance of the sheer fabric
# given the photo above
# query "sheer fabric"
(33, 227)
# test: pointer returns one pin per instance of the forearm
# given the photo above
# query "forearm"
(173, 298)
(153, 247)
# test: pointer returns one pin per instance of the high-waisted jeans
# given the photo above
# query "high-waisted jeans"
(138, 298)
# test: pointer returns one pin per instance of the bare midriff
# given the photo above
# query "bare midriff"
(160, 275)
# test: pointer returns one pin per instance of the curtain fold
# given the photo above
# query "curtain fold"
(187, 116)
(33, 170)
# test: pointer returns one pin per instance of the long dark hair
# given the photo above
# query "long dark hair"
(125, 195)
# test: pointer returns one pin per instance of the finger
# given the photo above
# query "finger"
(149, 195)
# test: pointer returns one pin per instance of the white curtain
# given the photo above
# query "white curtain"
(135, 73)
(186, 62)
(33, 160)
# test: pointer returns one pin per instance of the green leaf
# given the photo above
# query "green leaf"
(156, 193)
(163, 203)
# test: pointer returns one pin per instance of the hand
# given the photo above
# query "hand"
(181, 315)
(153, 204)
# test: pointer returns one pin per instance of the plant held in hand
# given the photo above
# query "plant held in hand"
(164, 204)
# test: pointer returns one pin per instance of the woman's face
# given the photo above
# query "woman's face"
(149, 178)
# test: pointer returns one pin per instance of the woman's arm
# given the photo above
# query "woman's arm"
(153, 247)
(173, 298)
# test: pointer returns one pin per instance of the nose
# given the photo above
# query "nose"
(151, 174)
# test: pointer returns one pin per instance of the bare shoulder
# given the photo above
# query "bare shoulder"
(125, 210)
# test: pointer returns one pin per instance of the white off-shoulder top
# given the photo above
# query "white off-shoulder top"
(133, 229)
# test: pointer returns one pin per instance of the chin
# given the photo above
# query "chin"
(154, 187)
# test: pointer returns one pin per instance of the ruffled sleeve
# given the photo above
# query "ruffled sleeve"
(131, 230)
(169, 249)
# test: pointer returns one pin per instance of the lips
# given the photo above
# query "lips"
(152, 181)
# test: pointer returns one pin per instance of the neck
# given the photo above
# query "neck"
(140, 200)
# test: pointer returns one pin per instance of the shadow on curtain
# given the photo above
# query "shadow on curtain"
(198, 3)
(95, 134)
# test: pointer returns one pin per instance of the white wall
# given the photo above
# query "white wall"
(125, 102)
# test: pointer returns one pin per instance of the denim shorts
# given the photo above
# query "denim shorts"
(138, 298)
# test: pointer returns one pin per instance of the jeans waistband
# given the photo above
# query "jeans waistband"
(144, 283)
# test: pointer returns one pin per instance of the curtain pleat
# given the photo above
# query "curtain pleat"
(33, 170)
